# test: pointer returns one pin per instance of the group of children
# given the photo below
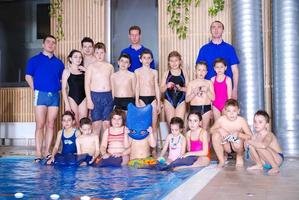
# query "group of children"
(93, 85)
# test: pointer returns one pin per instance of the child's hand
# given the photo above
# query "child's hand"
(106, 155)
(90, 105)
(82, 68)
(170, 85)
(150, 130)
(195, 91)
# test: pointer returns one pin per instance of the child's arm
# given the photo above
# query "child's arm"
(112, 84)
(56, 147)
(163, 86)
(247, 132)
(97, 148)
(65, 76)
(137, 89)
(87, 83)
(184, 143)
(229, 87)
(78, 146)
(261, 145)
(151, 140)
(134, 84)
(188, 140)
(126, 143)
(104, 145)
(211, 93)
(165, 147)
(190, 94)
(184, 89)
(157, 90)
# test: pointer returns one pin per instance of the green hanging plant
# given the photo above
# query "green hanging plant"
(56, 12)
(218, 5)
(179, 11)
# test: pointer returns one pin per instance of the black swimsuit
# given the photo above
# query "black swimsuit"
(173, 95)
(76, 87)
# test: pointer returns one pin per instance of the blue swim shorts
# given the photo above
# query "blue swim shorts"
(46, 98)
(103, 105)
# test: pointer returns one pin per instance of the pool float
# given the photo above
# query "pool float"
(139, 119)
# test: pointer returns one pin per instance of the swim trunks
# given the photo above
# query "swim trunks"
(122, 102)
(103, 105)
(46, 98)
(147, 99)
(143, 163)
(202, 109)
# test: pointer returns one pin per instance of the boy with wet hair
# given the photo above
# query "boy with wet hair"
(229, 133)
(264, 148)
(123, 83)
(98, 90)
(87, 46)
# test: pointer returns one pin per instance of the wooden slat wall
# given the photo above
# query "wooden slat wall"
(198, 34)
(80, 18)
(16, 105)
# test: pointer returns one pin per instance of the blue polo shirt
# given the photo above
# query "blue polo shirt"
(210, 51)
(135, 54)
(46, 72)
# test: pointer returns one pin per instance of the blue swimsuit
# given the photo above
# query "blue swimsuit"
(173, 95)
(69, 144)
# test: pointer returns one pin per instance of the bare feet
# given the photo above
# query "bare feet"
(273, 171)
(239, 162)
(220, 165)
(255, 167)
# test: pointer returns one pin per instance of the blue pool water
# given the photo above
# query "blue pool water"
(39, 182)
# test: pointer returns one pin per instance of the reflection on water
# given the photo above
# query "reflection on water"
(39, 182)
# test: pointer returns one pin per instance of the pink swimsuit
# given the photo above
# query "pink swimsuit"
(175, 146)
(195, 145)
(220, 89)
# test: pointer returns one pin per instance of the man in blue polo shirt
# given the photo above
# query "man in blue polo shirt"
(135, 49)
(43, 75)
(217, 48)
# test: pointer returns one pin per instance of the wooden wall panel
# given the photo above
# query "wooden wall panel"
(16, 105)
(80, 18)
(198, 33)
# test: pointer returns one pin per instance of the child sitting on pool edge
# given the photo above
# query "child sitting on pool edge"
(67, 137)
(88, 144)
(115, 146)
(175, 141)
(264, 148)
(140, 154)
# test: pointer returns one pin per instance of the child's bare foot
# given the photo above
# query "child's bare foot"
(239, 162)
(220, 165)
(273, 171)
(255, 167)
